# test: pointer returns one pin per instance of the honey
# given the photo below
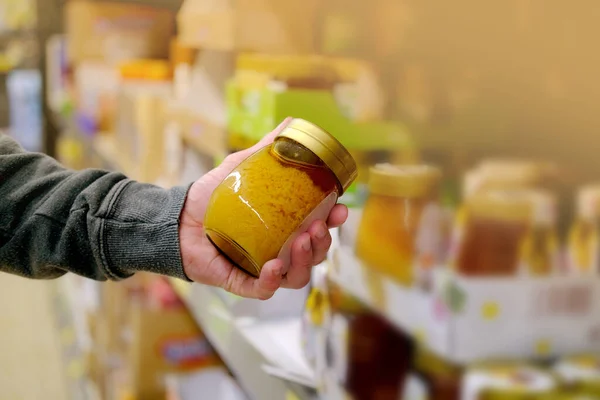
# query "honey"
(387, 234)
(274, 195)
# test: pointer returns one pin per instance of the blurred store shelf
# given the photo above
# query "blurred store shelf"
(265, 356)
(70, 317)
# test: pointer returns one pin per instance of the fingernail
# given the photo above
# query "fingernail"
(306, 244)
(320, 233)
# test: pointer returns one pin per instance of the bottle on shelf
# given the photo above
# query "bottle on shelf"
(540, 248)
(367, 357)
(490, 240)
(401, 221)
(584, 235)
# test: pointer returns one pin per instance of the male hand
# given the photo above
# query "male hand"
(203, 263)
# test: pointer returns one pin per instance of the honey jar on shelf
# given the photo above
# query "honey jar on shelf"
(274, 195)
(368, 357)
(388, 239)
(540, 246)
(492, 235)
(584, 235)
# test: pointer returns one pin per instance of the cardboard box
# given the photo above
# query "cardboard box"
(164, 341)
(269, 26)
(110, 32)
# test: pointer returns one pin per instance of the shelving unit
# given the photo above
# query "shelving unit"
(255, 351)
(72, 340)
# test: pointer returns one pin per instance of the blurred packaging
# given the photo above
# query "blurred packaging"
(17, 14)
(164, 341)
(584, 237)
(142, 333)
(25, 105)
(58, 92)
(268, 26)
(112, 32)
(210, 383)
(341, 95)
(139, 131)
(96, 88)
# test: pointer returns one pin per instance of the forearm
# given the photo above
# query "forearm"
(95, 223)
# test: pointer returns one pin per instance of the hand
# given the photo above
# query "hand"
(203, 263)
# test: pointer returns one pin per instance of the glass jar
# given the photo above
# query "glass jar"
(398, 197)
(584, 235)
(489, 243)
(369, 358)
(508, 381)
(274, 195)
(580, 374)
(540, 246)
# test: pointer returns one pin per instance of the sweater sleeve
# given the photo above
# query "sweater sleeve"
(94, 223)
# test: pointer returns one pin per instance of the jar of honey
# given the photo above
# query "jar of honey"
(274, 195)
(490, 242)
(584, 235)
(387, 234)
(368, 357)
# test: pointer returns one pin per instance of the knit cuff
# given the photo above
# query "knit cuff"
(140, 231)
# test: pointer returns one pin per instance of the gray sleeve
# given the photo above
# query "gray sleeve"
(94, 223)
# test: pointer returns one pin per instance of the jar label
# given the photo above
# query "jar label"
(321, 212)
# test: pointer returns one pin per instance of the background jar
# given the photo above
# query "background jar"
(387, 232)
(274, 195)
(495, 226)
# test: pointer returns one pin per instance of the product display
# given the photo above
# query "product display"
(112, 32)
(584, 236)
(252, 220)
(25, 104)
(139, 126)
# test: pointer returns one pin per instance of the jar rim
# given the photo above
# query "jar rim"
(413, 180)
(333, 154)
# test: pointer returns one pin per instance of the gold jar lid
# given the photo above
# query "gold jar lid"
(326, 147)
(403, 180)
(501, 204)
